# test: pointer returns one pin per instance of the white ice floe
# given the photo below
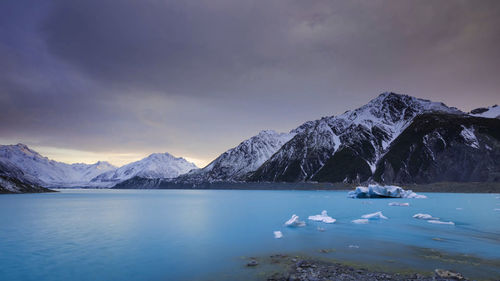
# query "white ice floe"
(323, 217)
(294, 221)
(424, 217)
(321, 229)
(496, 209)
(376, 215)
(360, 221)
(383, 191)
(278, 234)
(398, 204)
(441, 222)
(354, 246)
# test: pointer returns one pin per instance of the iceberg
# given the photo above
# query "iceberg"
(354, 246)
(322, 218)
(376, 215)
(278, 234)
(398, 204)
(360, 221)
(294, 221)
(424, 217)
(441, 222)
(383, 191)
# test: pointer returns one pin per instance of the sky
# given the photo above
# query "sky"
(89, 80)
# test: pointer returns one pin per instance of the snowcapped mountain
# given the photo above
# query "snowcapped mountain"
(235, 163)
(50, 173)
(13, 180)
(346, 147)
(157, 165)
(489, 112)
(440, 147)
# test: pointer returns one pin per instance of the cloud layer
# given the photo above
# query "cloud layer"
(196, 77)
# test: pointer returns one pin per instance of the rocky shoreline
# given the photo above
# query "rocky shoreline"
(295, 268)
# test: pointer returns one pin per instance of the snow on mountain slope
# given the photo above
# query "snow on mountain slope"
(235, 163)
(13, 180)
(358, 137)
(490, 112)
(157, 165)
(48, 172)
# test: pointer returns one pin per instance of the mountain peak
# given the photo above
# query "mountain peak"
(156, 165)
(19, 149)
(487, 112)
(268, 132)
(160, 155)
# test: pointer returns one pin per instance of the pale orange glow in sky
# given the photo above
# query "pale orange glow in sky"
(118, 159)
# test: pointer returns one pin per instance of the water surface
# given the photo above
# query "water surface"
(203, 234)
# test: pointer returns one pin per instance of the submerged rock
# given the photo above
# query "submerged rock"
(442, 273)
(252, 263)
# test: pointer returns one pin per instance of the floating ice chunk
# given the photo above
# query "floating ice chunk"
(360, 221)
(424, 217)
(354, 246)
(383, 191)
(323, 217)
(398, 204)
(294, 221)
(496, 209)
(278, 234)
(441, 222)
(460, 209)
(376, 215)
(321, 229)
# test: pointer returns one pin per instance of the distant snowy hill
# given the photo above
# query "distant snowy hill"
(489, 112)
(50, 173)
(347, 147)
(157, 165)
(237, 162)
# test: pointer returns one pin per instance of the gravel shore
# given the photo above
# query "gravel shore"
(310, 269)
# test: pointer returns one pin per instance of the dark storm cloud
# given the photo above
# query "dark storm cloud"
(198, 76)
(209, 47)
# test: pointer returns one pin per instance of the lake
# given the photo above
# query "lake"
(206, 234)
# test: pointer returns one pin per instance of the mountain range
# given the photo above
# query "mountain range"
(392, 139)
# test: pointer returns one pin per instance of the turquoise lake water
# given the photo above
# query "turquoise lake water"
(204, 234)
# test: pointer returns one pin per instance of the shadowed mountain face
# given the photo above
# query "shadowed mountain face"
(441, 147)
(13, 180)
